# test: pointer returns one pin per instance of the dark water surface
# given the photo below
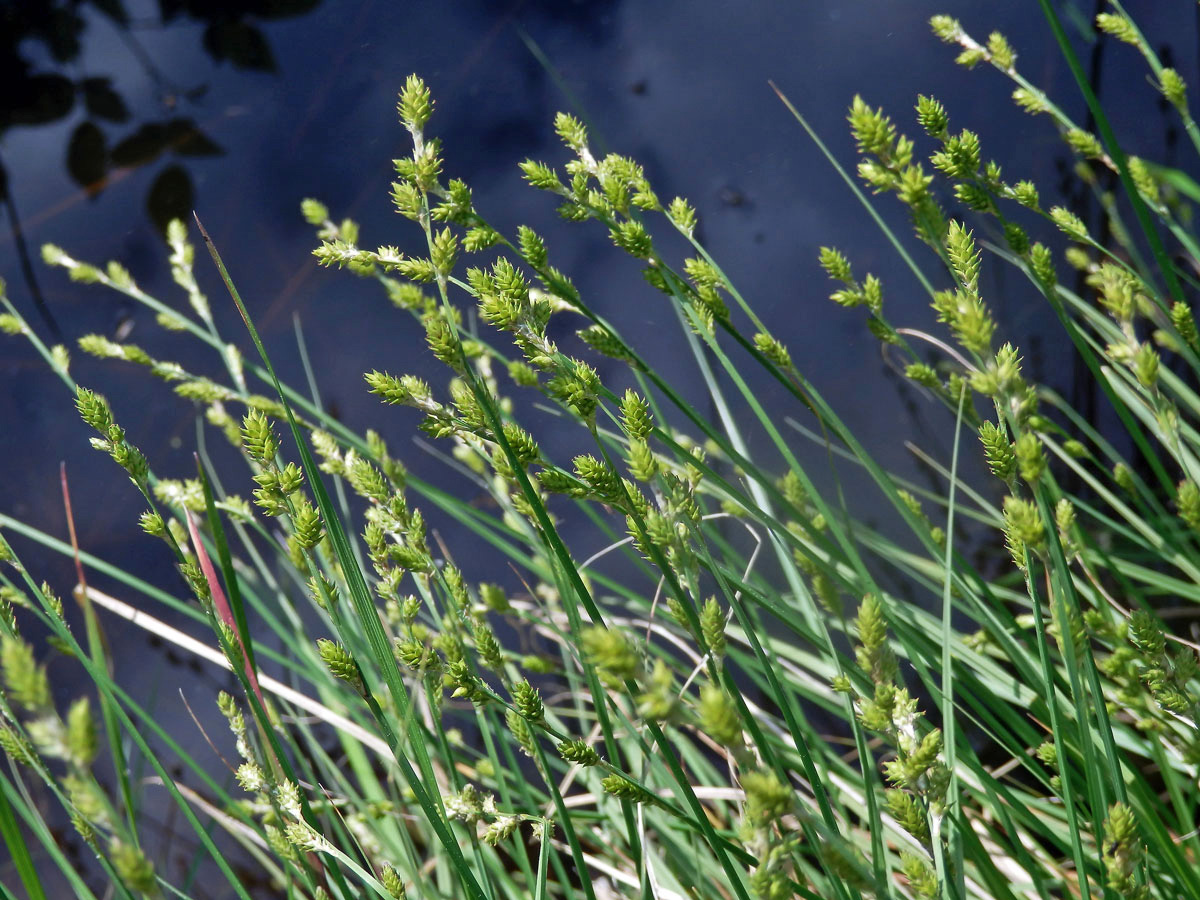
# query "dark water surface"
(298, 100)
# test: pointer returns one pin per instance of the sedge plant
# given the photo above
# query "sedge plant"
(731, 699)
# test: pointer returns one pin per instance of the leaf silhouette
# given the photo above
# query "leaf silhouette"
(87, 157)
(240, 43)
(179, 136)
(142, 146)
(170, 197)
(186, 139)
(36, 100)
(102, 101)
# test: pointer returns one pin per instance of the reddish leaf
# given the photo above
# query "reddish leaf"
(224, 613)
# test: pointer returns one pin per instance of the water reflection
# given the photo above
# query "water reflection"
(42, 46)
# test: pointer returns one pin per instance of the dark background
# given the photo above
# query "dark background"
(241, 114)
(115, 115)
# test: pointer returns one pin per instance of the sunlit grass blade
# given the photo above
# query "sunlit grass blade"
(1113, 146)
(367, 616)
(18, 850)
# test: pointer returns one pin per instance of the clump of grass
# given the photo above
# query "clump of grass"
(742, 707)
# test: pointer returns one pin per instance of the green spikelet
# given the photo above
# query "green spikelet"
(712, 627)
(773, 350)
(1185, 324)
(25, 681)
(635, 416)
(339, 661)
(490, 653)
(578, 752)
(571, 131)
(528, 702)
(1147, 636)
(767, 798)
(93, 409)
(258, 438)
(921, 876)
(682, 215)
(1002, 53)
(624, 789)
(416, 105)
(1174, 88)
(1123, 478)
(521, 731)
(392, 882)
(16, 747)
(81, 741)
(1188, 502)
(999, 453)
(906, 810)
(719, 716)
(612, 653)
(1031, 461)
(931, 116)
(603, 341)
(1118, 26)
(874, 655)
(1124, 852)
(132, 867)
(1023, 520)
(307, 523)
(1041, 261)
